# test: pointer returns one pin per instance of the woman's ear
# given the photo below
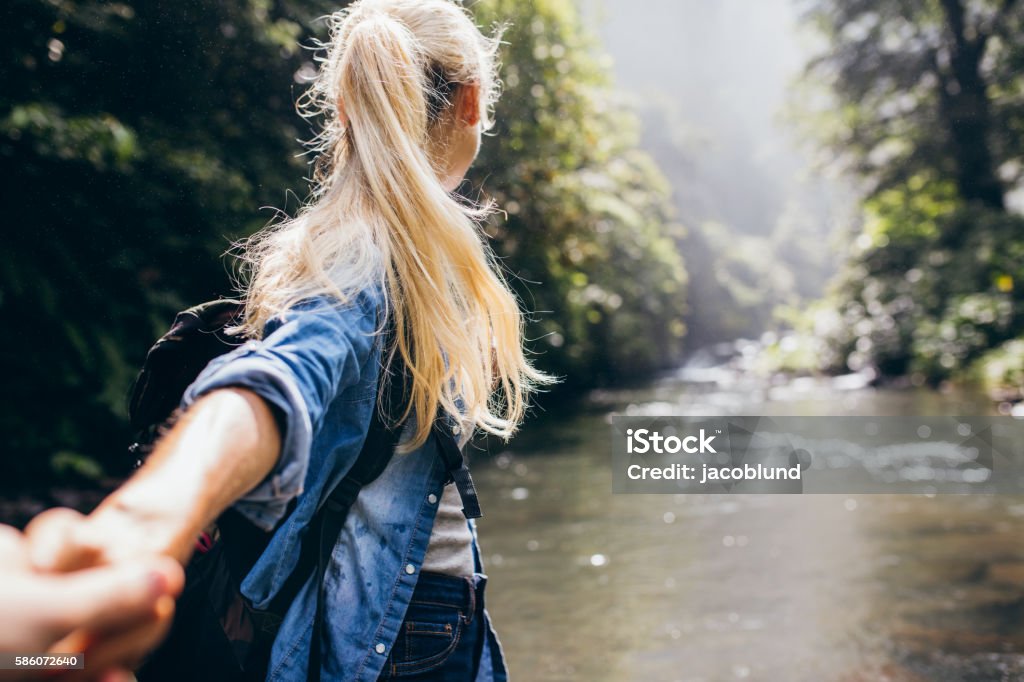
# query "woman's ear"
(342, 116)
(467, 104)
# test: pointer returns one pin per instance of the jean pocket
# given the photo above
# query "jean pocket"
(430, 634)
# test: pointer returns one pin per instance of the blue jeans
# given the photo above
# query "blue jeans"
(442, 635)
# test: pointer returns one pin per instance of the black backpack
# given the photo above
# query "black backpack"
(217, 635)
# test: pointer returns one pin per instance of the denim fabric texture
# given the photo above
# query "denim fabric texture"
(319, 365)
(442, 634)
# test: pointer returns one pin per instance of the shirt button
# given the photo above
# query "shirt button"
(432, 498)
(456, 429)
(380, 648)
(410, 569)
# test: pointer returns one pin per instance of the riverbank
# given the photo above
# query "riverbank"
(793, 358)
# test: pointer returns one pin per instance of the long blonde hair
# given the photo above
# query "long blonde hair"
(379, 213)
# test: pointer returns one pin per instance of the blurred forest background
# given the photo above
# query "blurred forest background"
(655, 203)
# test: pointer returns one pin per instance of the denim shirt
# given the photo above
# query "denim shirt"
(319, 365)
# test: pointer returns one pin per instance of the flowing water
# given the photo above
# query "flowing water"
(587, 585)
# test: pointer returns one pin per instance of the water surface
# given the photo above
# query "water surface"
(587, 585)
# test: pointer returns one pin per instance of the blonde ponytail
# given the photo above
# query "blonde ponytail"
(379, 213)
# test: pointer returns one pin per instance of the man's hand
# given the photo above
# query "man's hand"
(111, 612)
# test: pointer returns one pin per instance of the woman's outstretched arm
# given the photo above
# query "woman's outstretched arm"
(221, 448)
(243, 440)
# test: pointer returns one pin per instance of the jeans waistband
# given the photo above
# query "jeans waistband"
(466, 593)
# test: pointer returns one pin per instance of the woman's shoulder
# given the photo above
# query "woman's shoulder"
(361, 308)
(366, 301)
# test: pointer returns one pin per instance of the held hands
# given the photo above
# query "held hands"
(119, 531)
(118, 536)
(114, 613)
(220, 449)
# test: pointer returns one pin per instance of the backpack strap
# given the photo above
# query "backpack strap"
(457, 468)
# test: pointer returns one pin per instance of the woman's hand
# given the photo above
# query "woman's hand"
(65, 544)
(63, 540)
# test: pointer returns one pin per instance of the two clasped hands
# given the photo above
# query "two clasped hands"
(66, 587)
(104, 584)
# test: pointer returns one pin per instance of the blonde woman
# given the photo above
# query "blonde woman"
(407, 86)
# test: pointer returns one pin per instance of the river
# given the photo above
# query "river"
(587, 585)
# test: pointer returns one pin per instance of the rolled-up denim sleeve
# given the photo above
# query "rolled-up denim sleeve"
(305, 359)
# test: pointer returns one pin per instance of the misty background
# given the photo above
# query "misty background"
(713, 83)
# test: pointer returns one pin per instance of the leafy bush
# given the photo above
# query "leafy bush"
(930, 300)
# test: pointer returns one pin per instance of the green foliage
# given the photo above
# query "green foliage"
(589, 238)
(919, 86)
(925, 109)
(1001, 371)
(932, 303)
(138, 140)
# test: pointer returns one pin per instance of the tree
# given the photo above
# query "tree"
(924, 87)
(924, 105)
